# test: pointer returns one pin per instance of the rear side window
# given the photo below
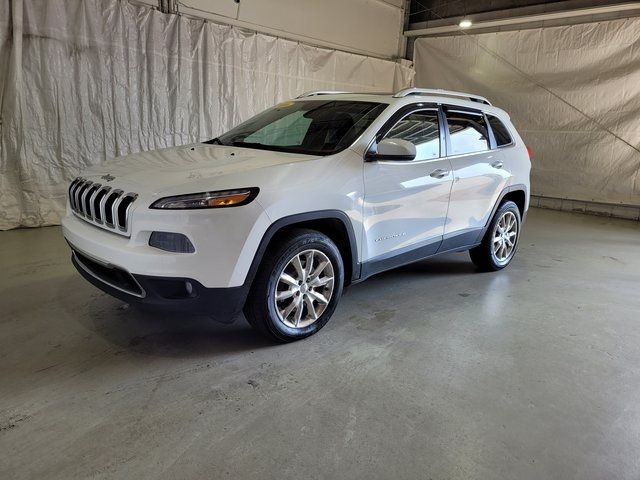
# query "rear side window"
(421, 129)
(468, 132)
(500, 132)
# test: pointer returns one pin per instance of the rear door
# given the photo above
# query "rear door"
(478, 175)
(406, 201)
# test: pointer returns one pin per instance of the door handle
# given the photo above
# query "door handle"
(497, 164)
(439, 173)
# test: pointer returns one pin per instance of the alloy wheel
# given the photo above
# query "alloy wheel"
(304, 289)
(504, 238)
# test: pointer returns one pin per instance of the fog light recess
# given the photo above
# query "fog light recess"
(171, 242)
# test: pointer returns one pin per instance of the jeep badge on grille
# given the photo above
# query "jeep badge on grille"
(108, 177)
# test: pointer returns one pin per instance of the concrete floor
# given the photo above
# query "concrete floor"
(430, 371)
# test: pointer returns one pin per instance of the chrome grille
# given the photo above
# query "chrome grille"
(101, 205)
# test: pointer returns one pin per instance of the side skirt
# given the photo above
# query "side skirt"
(457, 243)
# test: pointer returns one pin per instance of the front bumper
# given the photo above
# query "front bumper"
(167, 294)
(225, 241)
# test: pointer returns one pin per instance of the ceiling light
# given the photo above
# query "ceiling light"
(465, 23)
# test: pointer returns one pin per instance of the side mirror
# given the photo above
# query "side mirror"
(394, 149)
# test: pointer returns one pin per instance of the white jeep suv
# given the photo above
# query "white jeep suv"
(278, 215)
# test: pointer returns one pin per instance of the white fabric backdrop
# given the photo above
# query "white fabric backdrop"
(84, 80)
(594, 67)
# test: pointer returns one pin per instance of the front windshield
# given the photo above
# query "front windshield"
(314, 127)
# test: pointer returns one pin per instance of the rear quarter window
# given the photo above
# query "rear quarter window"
(500, 131)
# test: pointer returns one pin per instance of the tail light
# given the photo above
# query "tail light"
(530, 153)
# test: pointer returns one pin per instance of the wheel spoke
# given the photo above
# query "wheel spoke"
(317, 296)
(308, 266)
(319, 269)
(298, 314)
(284, 294)
(311, 310)
(290, 308)
(320, 282)
(297, 264)
(288, 279)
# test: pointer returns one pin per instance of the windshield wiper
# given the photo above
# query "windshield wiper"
(214, 141)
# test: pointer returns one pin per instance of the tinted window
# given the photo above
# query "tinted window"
(311, 126)
(468, 132)
(421, 129)
(500, 132)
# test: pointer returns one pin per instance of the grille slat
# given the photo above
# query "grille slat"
(109, 208)
(88, 196)
(76, 194)
(96, 204)
(72, 188)
(101, 205)
(123, 210)
(83, 193)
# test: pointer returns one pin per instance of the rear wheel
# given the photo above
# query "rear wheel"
(297, 288)
(499, 243)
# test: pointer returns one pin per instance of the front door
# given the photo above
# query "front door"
(405, 202)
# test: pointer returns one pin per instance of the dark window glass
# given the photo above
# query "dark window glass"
(315, 127)
(421, 129)
(500, 132)
(468, 132)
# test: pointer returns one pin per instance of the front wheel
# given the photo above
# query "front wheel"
(297, 287)
(499, 243)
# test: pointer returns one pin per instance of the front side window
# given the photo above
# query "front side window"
(421, 129)
(314, 127)
(467, 131)
(500, 132)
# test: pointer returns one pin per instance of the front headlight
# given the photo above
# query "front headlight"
(220, 199)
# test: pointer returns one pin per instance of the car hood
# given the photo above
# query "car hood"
(156, 171)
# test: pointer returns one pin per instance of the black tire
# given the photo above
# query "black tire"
(261, 310)
(482, 255)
